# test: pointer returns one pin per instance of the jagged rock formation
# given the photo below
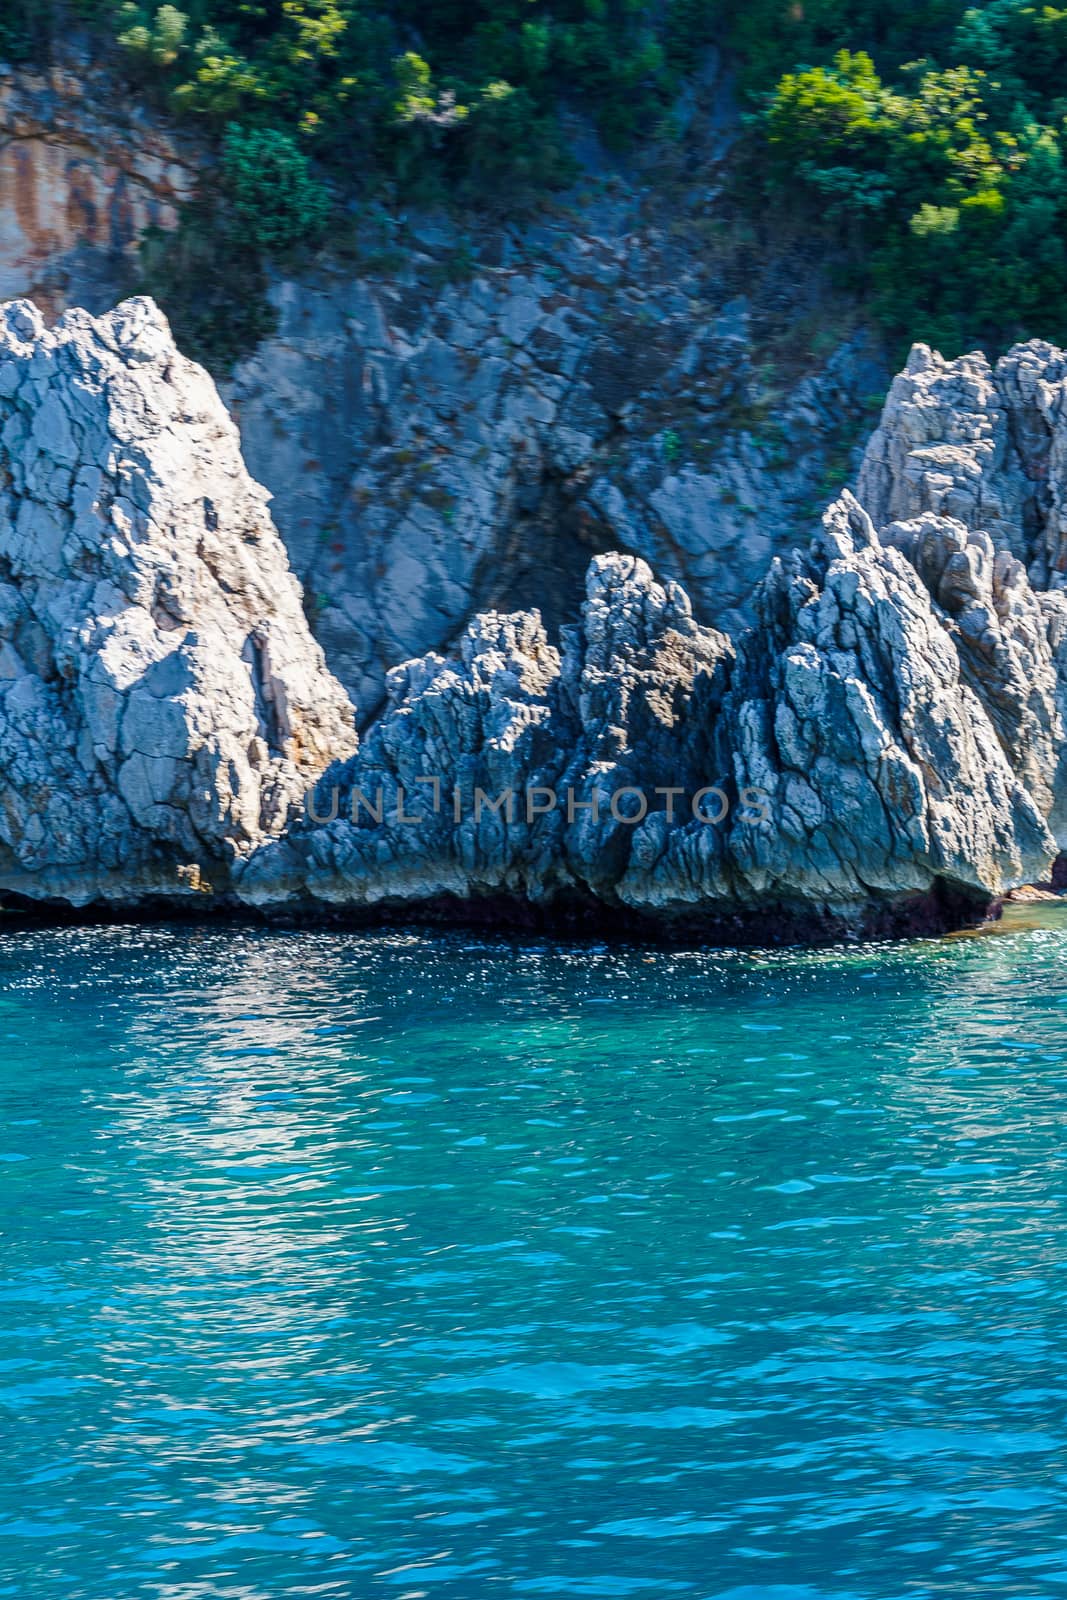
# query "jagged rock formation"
(162, 703)
(630, 703)
(856, 709)
(435, 450)
(885, 744)
(978, 454)
(455, 414)
(984, 445)
(854, 765)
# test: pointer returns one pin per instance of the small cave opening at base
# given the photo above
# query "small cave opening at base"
(542, 563)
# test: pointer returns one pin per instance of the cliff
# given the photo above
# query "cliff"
(454, 413)
(84, 170)
(163, 706)
(840, 769)
(882, 748)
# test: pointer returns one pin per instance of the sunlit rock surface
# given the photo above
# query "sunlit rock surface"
(162, 702)
(882, 749)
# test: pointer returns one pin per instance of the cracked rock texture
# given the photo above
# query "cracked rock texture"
(852, 739)
(630, 701)
(986, 445)
(439, 449)
(882, 748)
(454, 414)
(858, 711)
(162, 702)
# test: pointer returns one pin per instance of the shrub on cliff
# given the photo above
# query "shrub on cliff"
(348, 77)
(423, 98)
(942, 177)
(275, 200)
(158, 43)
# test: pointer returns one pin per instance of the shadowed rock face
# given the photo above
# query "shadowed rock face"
(162, 703)
(886, 737)
(429, 448)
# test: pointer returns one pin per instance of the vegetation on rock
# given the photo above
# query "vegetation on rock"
(924, 139)
(928, 140)
(313, 101)
(433, 91)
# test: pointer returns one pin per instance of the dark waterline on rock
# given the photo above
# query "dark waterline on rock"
(943, 910)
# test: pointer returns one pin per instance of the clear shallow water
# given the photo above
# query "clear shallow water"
(406, 1265)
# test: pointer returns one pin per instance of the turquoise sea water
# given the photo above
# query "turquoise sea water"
(436, 1266)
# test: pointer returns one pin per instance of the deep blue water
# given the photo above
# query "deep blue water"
(432, 1266)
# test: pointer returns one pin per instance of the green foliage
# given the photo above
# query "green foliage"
(928, 143)
(209, 275)
(774, 37)
(924, 139)
(416, 99)
(400, 79)
(510, 144)
(158, 42)
(275, 201)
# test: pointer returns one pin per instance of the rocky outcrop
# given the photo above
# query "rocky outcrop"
(519, 769)
(857, 710)
(984, 445)
(455, 414)
(440, 447)
(883, 748)
(162, 703)
(842, 768)
(967, 472)
(1000, 630)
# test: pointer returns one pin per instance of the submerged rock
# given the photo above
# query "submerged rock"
(162, 701)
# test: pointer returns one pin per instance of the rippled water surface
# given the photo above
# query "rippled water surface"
(414, 1265)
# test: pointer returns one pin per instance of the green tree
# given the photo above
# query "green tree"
(274, 198)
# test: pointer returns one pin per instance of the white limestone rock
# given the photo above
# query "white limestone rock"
(162, 702)
(630, 701)
(856, 709)
(984, 445)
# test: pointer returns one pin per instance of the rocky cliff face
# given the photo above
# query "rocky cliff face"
(841, 769)
(883, 744)
(162, 703)
(456, 415)
(83, 171)
(985, 445)
(890, 730)
(438, 448)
